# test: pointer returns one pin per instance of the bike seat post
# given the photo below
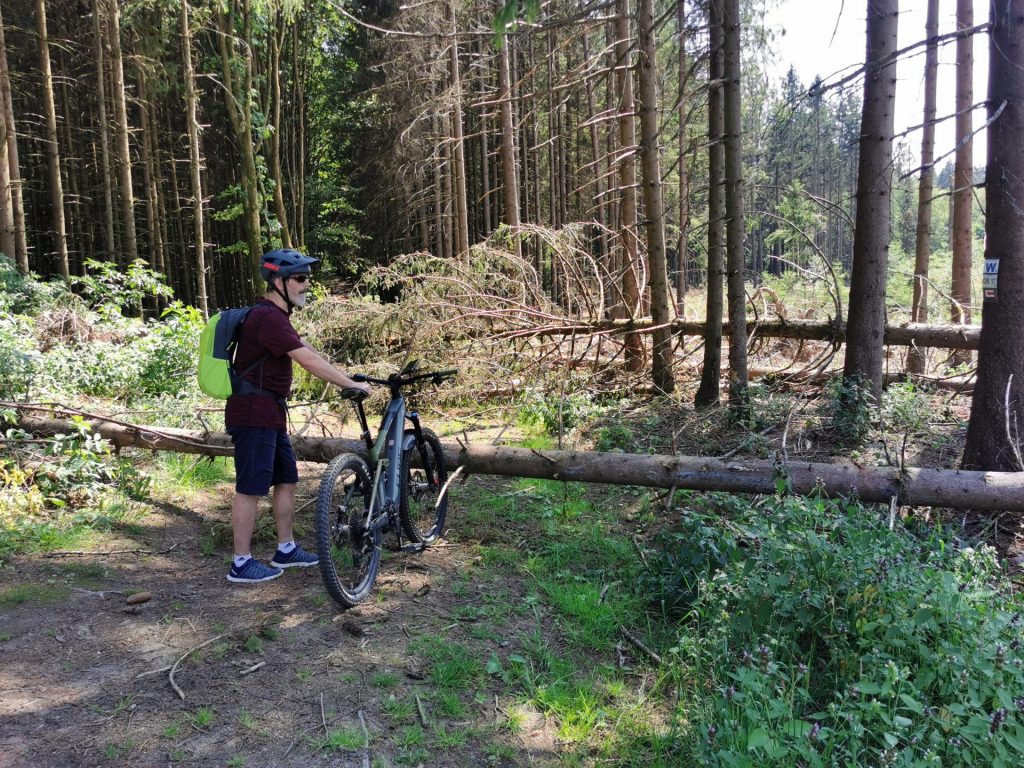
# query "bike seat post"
(364, 425)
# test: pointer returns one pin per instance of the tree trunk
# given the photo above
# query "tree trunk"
(459, 153)
(124, 161)
(275, 137)
(101, 118)
(908, 486)
(734, 197)
(997, 411)
(710, 380)
(595, 158)
(963, 172)
(195, 161)
(940, 336)
(238, 100)
(7, 243)
(653, 202)
(52, 149)
(864, 350)
(10, 150)
(922, 251)
(628, 234)
(509, 179)
(684, 190)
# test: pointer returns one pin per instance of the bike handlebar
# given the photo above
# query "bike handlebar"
(396, 381)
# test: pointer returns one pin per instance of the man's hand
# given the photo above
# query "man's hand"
(319, 366)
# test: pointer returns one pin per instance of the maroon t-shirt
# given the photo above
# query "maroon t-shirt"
(266, 329)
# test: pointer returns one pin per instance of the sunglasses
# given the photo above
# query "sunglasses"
(300, 279)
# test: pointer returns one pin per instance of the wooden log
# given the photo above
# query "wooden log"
(913, 334)
(914, 487)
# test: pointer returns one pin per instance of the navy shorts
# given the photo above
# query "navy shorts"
(263, 457)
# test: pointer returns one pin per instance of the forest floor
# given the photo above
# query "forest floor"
(277, 675)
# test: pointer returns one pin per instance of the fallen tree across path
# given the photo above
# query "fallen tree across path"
(912, 486)
(912, 334)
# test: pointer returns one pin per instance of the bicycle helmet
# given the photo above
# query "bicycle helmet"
(285, 262)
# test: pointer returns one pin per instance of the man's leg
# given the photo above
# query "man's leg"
(286, 477)
(284, 511)
(243, 522)
(254, 458)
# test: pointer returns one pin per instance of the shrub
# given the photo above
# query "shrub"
(25, 295)
(832, 640)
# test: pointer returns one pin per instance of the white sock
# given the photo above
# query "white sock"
(241, 560)
(286, 547)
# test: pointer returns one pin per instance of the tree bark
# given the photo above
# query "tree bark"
(10, 150)
(238, 100)
(910, 486)
(275, 138)
(940, 336)
(195, 161)
(654, 204)
(923, 248)
(52, 148)
(101, 118)
(997, 411)
(684, 190)
(459, 153)
(866, 323)
(963, 172)
(509, 178)
(734, 196)
(124, 160)
(628, 234)
(710, 380)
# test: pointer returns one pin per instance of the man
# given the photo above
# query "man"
(256, 417)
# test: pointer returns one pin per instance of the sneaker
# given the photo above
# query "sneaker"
(252, 572)
(297, 558)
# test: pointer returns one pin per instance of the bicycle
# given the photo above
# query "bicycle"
(398, 490)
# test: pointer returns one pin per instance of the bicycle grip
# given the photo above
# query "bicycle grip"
(360, 377)
(439, 375)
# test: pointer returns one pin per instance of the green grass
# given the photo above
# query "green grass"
(32, 592)
(384, 680)
(189, 474)
(343, 739)
(399, 709)
(453, 666)
(203, 717)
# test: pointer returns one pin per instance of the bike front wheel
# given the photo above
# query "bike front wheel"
(349, 549)
(421, 509)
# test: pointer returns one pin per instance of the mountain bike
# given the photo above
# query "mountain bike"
(400, 490)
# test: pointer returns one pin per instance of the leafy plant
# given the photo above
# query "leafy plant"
(111, 288)
(830, 639)
(850, 404)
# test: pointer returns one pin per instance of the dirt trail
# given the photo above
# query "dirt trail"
(83, 679)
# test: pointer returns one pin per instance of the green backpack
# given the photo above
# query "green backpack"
(217, 347)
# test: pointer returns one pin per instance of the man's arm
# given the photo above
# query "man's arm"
(318, 365)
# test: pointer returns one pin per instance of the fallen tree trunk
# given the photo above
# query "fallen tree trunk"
(914, 334)
(914, 486)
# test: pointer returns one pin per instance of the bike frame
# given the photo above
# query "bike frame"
(385, 454)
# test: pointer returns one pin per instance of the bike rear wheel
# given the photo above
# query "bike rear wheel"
(349, 552)
(423, 477)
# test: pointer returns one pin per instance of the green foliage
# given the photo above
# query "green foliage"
(832, 640)
(72, 485)
(18, 357)
(614, 437)
(171, 351)
(25, 295)
(850, 402)
(110, 288)
(556, 414)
